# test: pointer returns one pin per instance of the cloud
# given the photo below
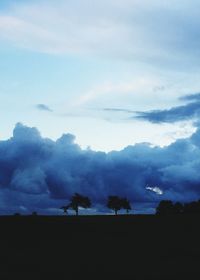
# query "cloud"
(118, 110)
(191, 97)
(175, 114)
(155, 189)
(118, 29)
(37, 173)
(43, 107)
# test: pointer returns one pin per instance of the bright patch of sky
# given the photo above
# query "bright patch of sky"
(87, 67)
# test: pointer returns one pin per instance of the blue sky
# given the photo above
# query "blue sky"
(81, 57)
(122, 77)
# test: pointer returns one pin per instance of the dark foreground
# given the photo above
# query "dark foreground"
(123, 247)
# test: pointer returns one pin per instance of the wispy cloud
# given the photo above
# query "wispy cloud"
(118, 110)
(180, 113)
(43, 107)
(119, 29)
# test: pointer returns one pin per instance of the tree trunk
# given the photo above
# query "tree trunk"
(77, 211)
(115, 212)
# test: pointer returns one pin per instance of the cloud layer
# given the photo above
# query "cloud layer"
(146, 31)
(40, 174)
(179, 113)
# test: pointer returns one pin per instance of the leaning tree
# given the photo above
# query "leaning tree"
(79, 200)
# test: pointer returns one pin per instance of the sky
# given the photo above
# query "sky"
(117, 75)
(64, 63)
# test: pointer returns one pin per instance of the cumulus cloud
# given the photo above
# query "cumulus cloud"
(188, 111)
(39, 173)
(43, 107)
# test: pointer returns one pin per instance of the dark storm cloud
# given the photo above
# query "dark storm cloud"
(189, 111)
(43, 107)
(191, 97)
(38, 173)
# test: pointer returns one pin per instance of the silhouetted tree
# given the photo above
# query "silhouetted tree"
(79, 201)
(34, 213)
(178, 208)
(114, 203)
(125, 204)
(65, 208)
(192, 207)
(165, 207)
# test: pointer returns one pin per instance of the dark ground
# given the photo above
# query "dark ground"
(100, 247)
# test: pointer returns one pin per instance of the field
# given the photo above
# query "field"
(100, 247)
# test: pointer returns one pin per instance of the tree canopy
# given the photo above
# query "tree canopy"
(167, 207)
(116, 203)
(79, 200)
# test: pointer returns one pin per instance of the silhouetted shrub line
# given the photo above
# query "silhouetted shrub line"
(167, 207)
(116, 203)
